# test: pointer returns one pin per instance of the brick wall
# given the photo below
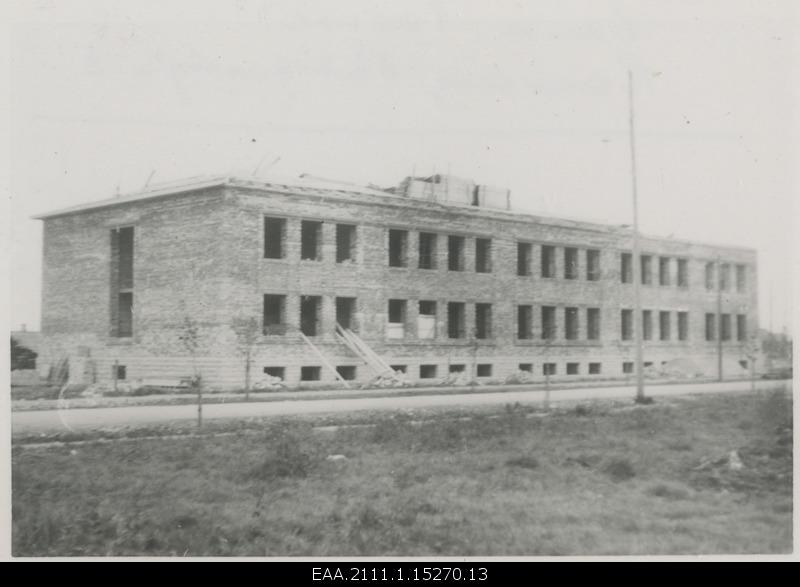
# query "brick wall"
(201, 255)
(175, 259)
(373, 282)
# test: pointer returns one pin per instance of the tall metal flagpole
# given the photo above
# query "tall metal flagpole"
(637, 263)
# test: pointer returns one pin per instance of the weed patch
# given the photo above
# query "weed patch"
(671, 491)
(523, 462)
(619, 469)
(287, 454)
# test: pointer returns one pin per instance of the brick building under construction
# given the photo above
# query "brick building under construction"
(433, 276)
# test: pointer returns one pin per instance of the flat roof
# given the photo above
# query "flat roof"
(310, 186)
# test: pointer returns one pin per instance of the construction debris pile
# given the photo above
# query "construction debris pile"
(520, 377)
(459, 378)
(269, 383)
(393, 379)
(686, 368)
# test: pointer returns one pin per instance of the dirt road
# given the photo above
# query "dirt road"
(48, 421)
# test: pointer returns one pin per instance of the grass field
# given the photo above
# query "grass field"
(589, 480)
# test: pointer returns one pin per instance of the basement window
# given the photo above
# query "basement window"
(310, 373)
(626, 268)
(426, 319)
(399, 368)
(345, 313)
(457, 368)
(274, 237)
(548, 322)
(345, 243)
(548, 261)
(309, 314)
(455, 253)
(526, 367)
(548, 369)
(593, 323)
(310, 240)
(683, 273)
(524, 254)
(647, 324)
(663, 271)
(398, 248)
(427, 371)
(484, 370)
(573, 368)
(595, 368)
(664, 325)
(279, 372)
(483, 321)
(571, 323)
(483, 255)
(683, 325)
(346, 372)
(524, 322)
(646, 264)
(427, 250)
(626, 321)
(592, 265)
(455, 320)
(570, 263)
(274, 314)
(627, 367)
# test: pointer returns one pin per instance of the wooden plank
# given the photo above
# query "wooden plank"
(324, 360)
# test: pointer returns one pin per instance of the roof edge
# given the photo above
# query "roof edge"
(194, 184)
(130, 197)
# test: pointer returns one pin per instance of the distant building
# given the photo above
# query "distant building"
(27, 338)
(432, 276)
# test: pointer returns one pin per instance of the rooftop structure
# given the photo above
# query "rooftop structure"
(432, 276)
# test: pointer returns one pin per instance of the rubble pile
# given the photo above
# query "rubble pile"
(269, 383)
(396, 379)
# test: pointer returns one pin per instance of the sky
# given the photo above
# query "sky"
(528, 96)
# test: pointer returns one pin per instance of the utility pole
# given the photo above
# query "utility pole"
(637, 262)
(474, 374)
(546, 368)
(719, 319)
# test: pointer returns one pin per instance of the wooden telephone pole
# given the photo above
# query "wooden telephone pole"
(637, 262)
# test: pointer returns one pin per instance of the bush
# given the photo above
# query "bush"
(389, 430)
(446, 435)
(524, 462)
(287, 455)
(619, 469)
(582, 410)
(21, 356)
(670, 491)
(775, 410)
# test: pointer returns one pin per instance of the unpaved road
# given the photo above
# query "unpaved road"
(50, 421)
